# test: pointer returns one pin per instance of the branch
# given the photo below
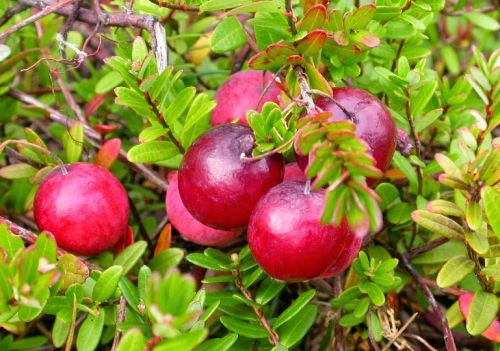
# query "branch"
(305, 90)
(426, 247)
(121, 317)
(147, 22)
(179, 7)
(43, 13)
(447, 335)
(11, 12)
(92, 136)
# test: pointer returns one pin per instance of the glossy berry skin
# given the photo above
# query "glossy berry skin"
(349, 253)
(294, 172)
(241, 92)
(287, 238)
(218, 185)
(374, 123)
(187, 226)
(86, 210)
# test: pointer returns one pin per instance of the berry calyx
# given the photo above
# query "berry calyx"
(86, 210)
(219, 183)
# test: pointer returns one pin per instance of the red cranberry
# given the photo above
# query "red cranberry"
(86, 209)
(374, 123)
(293, 172)
(189, 228)
(243, 91)
(349, 253)
(218, 184)
(287, 238)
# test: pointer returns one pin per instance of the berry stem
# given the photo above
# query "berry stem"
(38, 147)
(269, 153)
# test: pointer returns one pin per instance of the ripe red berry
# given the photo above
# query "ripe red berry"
(287, 238)
(374, 123)
(294, 172)
(349, 253)
(86, 210)
(243, 91)
(218, 184)
(187, 226)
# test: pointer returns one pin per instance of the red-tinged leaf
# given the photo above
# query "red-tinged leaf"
(394, 173)
(105, 129)
(273, 57)
(317, 80)
(493, 331)
(335, 22)
(316, 17)
(93, 105)
(365, 38)
(362, 16)
(308, 4)
(340, 38)
(312, 43)
(164, 240)
(296, 60)
(127, 240)
(108, 153)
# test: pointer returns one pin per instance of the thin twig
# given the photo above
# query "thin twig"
(121, 317)
(339, 330)
(92, 135)
(447, 334)
(11, 12)
(426, 247)
(68, 97)
(45, 11)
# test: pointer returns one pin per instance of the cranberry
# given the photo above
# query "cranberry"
(86, 209)
(287, 238)
(219, 184)
(189, 228)
(373, 121)
(349, 253)
(294, 172)
(243, 91)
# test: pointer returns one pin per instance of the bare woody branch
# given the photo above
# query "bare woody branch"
(92, 136)
(146, 22)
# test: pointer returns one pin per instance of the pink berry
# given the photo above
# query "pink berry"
(294, 172)
(187, 226)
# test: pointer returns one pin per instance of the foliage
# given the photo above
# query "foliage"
(72, 91)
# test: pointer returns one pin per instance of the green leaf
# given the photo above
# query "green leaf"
(107, 283)
(204, 261)
(451, 59)
(183, 342)
(46, 247)
(133, 340)
(482, 312)
(139, 49)
(482, 20)
(182, 101)
(438, 224)
(28, 343)
(349, 320)
(107, 83)
(60, 332)
(295, 307)
(228, 35)
(213, 5)
(389, 195)
(296, 328)
(454, 315)
(244, 328)
(427, 119)
(219, 344)
(454, 270)
(362, 16)
(18, 171)
(491, 202)
(152, 151)
(130, 256)
(134, 100)
(73, 142)
(166, 260)
(9, 242)
(90, 332)
(268, 290)
(422, 96)
(441, 253)
(361, 308)
(478, 240)
(374, 292)
(405, 166)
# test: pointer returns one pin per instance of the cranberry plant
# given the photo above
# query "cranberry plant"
(390, 108)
